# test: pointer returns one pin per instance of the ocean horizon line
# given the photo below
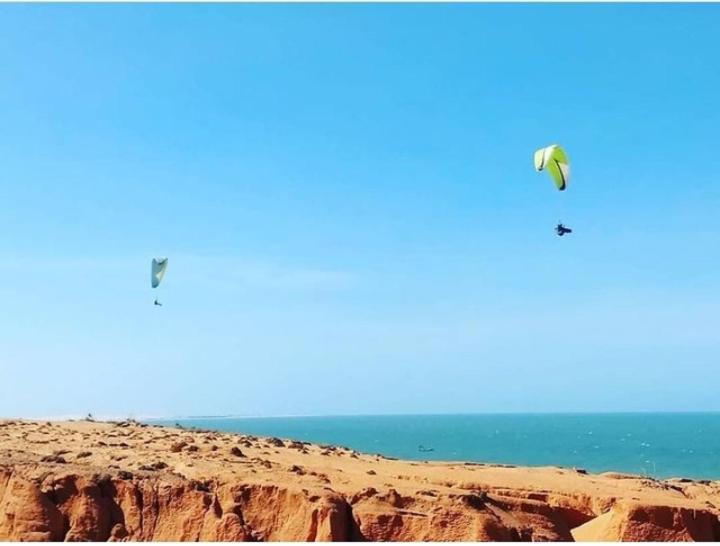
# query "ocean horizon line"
(431, 414)
(156, 417)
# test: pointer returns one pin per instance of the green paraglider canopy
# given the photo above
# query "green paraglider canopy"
(554, 160)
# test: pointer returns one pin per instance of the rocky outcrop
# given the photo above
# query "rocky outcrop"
(464, 517)
(26, 513)
(639, 523)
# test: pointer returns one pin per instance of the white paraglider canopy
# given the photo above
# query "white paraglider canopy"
(159, 266)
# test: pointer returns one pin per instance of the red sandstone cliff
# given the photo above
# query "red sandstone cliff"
(98, 481)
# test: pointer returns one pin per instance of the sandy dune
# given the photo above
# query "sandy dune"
(127, 481)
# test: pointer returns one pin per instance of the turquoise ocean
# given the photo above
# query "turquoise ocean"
(661, 445)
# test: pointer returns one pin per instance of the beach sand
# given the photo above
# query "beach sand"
(130, 481)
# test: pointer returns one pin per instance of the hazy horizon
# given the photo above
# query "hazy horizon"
(347, 199)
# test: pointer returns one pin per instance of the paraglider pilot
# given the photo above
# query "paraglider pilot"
(562, 230)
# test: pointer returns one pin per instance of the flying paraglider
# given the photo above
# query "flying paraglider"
(554, 160)
(562, 230)
(157, 273)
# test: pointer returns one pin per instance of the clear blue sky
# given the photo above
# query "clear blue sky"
(347, 198)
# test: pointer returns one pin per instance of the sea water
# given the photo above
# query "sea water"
(661, 445)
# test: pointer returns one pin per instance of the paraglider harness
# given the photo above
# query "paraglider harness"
(562, 230)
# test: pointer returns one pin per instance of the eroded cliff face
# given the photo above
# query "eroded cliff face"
(79, 496)
(99, 508)
(68, 506)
